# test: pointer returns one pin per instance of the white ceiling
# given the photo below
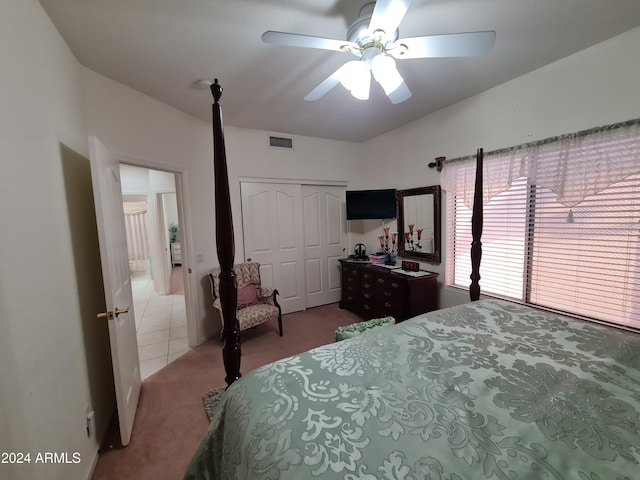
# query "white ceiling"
(162, 47)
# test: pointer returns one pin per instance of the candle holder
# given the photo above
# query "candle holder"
(389, 252)
(409, 243)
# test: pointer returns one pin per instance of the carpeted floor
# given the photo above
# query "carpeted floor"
(211, 401)
(176, 280)
(171, 420)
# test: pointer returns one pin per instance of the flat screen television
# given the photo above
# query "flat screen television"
(371, 204)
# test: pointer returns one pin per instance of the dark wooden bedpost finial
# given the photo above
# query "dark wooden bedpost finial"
(225, 244)
(216, 90)
(476, 230)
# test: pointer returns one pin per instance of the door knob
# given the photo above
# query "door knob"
(114, 314)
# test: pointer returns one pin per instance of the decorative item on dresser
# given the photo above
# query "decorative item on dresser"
(388, 252)
(375, 291)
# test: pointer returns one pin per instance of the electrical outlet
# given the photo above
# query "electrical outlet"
(199, 257)
(91, 423)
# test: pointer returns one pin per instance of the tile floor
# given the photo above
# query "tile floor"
(161, 324)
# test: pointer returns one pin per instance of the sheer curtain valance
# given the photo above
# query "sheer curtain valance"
(135, 208)
(572, 166)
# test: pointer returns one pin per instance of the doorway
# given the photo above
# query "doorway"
(154, 243)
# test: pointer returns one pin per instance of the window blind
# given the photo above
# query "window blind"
(503, 243)
(582, 259)
(586, 259)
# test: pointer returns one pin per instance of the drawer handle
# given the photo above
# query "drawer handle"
(367, 307)
(387, 294)
(367, 295)
(366, 285)
(395, 285)
(387, 304)
(354, 272)
(381, 280)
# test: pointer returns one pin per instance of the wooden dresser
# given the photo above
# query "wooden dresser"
(176, 254)
(373, 291)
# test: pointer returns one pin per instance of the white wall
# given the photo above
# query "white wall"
(47, 374)
(134, 180)
(139, 129)
(597, 86)
(170, 208)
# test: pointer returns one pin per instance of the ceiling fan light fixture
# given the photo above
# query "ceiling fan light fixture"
(385, 72)
(361, 92)
(374, 38)
(356, 78)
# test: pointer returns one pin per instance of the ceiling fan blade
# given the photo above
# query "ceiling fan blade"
(350, 76)
(307, 41)
(388, 14)
(326, 85)
(400, 94)
(470, 44)
(322, 89)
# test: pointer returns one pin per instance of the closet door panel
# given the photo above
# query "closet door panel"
(272, 227)
(324, 240)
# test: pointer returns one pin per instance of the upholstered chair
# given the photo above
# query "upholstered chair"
(256, 304)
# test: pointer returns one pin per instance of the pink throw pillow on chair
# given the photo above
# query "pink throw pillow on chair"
(247, 295)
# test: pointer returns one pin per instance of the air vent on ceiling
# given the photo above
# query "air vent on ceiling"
(280, 142)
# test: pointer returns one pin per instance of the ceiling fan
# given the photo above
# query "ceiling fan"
(373, 38)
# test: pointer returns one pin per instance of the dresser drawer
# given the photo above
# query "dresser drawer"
(373, 291)
(368, 276)
(176, 253)
(390, 296)
(391, 306)
(368, 296)
(351, 299)
(349, 271)
(388, 283)
(349, 281)
(352, 289)
(368, 286)
(369, 309)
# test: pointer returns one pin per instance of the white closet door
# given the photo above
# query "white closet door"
(272, 225)
(324, 240)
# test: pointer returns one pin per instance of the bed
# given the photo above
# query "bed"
(485, 390)
(489, 389)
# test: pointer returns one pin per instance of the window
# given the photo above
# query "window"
(580, 256)
(503, 243)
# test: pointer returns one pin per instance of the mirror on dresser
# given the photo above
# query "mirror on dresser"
(418, 214)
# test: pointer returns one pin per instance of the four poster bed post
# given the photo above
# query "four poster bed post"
(476, 230)
(225, 243)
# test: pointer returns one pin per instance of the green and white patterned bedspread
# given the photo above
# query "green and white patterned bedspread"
(485, 390)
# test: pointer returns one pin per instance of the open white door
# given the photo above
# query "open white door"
(105, 177)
